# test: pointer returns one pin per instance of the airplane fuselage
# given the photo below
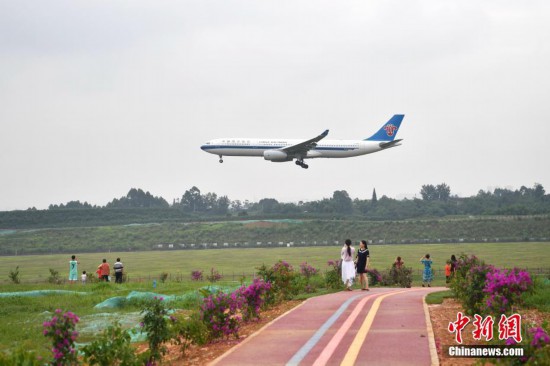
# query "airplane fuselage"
(258, 147)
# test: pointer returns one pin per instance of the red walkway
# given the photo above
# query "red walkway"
(377, 327)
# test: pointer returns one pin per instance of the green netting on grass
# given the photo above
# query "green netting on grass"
(120, 301)
(91, 326)
(37, 293)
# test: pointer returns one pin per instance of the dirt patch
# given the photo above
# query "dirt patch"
(202, 355)
(262, 224)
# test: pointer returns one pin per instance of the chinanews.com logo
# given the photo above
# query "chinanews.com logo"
(390, 129)
(509, 329)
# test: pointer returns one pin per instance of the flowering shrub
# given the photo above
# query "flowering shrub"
(214, 275)
(282, 278)
(469, 282)
(536, 348)
(333, 275)
(154, 322)
(253, 298)
(503, 288)
(220, 313)
(374, 277)
(61, 330)
(307, 270)
(196, 275)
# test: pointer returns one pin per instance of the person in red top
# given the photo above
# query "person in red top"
(448, 267)
(104, 270)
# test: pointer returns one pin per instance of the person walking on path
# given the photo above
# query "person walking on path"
(118, 267)
(427, 274)
(73, 270)
(104, 270)
(363, 257)
(348, 268)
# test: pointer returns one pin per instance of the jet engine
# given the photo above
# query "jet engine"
(276, 156)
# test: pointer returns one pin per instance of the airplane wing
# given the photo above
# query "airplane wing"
(301, 149)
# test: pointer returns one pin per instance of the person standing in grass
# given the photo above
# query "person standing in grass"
(362, 264)
(118, 267)
(73, 270)
(104, 270)
(348, 267)
(453, 265)
(448, 271)
(427, 274)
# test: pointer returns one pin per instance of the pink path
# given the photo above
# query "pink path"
(398, 334)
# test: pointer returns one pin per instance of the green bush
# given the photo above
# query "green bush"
(14, 276)
(112, 348)
(188, 330)
(333, 276)
(156, 326)
(401, 276)
(54, 277)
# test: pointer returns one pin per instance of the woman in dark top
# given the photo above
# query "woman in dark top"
(362, 263)
(453, 265)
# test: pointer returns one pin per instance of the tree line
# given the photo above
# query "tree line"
(436, 201)
(139, 206)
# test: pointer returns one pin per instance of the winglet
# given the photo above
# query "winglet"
(324, 134)
(389, 130)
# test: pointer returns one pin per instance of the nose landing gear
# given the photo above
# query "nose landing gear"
(302, 164)
(221, 159)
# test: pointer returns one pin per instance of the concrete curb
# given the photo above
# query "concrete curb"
(431, 337)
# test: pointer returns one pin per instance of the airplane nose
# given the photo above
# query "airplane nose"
(203, 147)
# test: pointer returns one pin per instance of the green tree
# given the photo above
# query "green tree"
(342, 202)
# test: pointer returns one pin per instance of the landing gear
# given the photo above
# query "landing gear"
(221, 159)
(302, 164)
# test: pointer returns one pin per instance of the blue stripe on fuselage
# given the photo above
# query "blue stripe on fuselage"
(257, 147)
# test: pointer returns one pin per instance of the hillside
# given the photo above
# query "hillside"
(179, 235)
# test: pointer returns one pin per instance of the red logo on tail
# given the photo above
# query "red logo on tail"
(390, 129)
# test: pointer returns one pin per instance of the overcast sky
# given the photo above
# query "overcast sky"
(97, 97)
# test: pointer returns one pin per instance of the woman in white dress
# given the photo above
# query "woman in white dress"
(348, 267)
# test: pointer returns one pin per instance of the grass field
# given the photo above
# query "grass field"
(21, 317)
(235, 262)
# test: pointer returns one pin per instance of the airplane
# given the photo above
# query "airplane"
(282, 150)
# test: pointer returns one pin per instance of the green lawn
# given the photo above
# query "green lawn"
(235, 262)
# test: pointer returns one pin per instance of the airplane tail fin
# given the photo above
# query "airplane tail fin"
(389, 130)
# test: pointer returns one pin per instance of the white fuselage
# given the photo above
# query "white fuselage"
(257, 147)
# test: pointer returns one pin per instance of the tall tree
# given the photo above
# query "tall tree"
(429, 192)
(342, 202)
(443, 192)
(191, 201)
(374, 199)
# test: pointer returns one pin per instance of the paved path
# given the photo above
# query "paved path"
(384, 326)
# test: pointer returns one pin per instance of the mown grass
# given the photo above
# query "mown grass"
(438, 297)
(234, 262)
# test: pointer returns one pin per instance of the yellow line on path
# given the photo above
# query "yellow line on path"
(355, 347)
